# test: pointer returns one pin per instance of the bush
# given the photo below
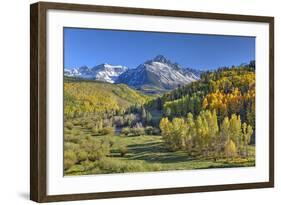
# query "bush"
(88, 165)
(156, 131)
(110, 165)
(107, 123)
(98, 150)
(72, 138)
(125, 131)
(76, 122)
(82, 155)
(71, 146)
(95, 131)
(108, 130)
(138, 130)
(69, 125)
(70, 159)
(118, 121)
(123, 151)
(76, 169)
(111, 142)
(149, 130)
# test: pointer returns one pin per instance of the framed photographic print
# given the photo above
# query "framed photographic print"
(135, 102)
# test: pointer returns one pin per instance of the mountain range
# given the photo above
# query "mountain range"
(158, 73)
(103, 72)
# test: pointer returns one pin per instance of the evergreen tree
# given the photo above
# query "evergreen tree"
(143, 115)
(148, 118)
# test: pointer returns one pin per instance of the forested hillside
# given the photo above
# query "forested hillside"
(228, 91)
(94, 97)
(111, 128)
(214, 116)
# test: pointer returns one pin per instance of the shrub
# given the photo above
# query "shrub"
(70, 159)
(88, 165)
(76, 169)
(156, 131)
(125, 131)
(118, 121)
(138, 130)
(108, 130)
(67, 131)
(110, 165)
(69, 125)
(76, 132)
(82, 155)
(107, 123)
(95, 131)
(76, 122)
(71, 146)
(149, 130)
(111, 142)
(133, 167)
(72, 138)
(97, 149)
(123, 151)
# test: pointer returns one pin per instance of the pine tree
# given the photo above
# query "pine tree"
(148, 117)
(143, 115)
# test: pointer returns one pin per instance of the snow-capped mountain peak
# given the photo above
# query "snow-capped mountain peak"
(161, 59)
(103, 72)
(108, 73)
(158, 72)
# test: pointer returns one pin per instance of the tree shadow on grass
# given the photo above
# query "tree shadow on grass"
(157, 153)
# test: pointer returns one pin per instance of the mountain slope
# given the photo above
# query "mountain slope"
(103, 72)
(159, 73)
(227, 90)
(98, 97)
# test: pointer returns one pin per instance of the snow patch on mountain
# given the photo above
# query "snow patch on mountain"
(103, 72)
(159, 72)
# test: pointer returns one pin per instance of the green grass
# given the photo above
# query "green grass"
(151, 150)
(148, 153)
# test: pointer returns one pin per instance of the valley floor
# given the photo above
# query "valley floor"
(148, 153)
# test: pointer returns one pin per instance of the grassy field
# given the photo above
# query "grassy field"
(148, 153)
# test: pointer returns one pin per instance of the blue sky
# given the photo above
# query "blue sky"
(91, 47)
